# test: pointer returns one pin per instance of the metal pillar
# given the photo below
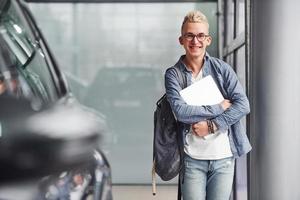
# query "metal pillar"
(275, 99)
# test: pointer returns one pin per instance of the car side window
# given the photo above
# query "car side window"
(28, 57)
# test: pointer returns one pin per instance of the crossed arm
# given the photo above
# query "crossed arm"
(223, 115)
(201, 128)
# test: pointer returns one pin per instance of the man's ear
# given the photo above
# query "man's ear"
(180, 40)
(209, 40)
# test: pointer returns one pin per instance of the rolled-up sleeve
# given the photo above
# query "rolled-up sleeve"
(186, 113)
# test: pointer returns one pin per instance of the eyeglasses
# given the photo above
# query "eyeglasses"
(190, 36)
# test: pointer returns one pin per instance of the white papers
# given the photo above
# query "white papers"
(203, 92)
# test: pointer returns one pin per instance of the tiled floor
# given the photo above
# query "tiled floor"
(144, 192)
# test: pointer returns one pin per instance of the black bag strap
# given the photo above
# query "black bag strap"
(179, 189)
(181, 76)
(183, 83)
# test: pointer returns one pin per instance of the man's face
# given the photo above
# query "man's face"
(195, 39)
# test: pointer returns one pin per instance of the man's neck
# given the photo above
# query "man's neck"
(194, 64)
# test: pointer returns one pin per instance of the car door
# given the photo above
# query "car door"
(29, 71)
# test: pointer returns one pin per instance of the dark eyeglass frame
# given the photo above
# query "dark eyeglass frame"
(200, 36)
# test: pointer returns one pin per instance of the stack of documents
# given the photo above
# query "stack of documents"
(203, 92)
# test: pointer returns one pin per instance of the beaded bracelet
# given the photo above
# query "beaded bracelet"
(210, 127)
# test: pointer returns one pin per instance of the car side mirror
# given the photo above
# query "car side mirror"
(38, 143)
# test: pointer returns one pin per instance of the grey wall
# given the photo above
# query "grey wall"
(275, 99)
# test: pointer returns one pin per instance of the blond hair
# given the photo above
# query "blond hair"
(195, 17)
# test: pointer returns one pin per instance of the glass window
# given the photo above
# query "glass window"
(241, 65)
(22, 55)
(229, 22)
(237, 59)
(230, 60)
(115, 55)
(241, 164)
(240, 17)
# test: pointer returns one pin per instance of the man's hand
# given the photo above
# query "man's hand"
(225, 104)
(200, 128)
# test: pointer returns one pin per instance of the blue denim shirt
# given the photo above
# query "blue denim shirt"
(231, 89)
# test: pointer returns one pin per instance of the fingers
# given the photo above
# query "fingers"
(200, 128)
(225, 104)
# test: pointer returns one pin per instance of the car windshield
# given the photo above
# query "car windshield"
(23, 67)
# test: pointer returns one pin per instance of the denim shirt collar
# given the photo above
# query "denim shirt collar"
(205, 67)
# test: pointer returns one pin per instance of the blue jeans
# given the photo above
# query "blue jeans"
(207, 179)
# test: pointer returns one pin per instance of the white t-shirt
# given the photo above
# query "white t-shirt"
(211, 147)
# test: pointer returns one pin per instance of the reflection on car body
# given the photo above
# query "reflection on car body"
(47, 138)
(77, 184)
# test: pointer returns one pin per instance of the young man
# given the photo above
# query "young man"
(213, 135)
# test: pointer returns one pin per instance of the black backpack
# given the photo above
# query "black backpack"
(167, 143)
